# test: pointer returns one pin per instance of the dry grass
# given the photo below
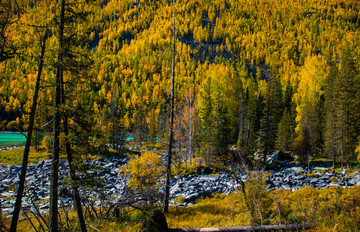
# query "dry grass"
(218, 211)
(331, 209)
(15, 156)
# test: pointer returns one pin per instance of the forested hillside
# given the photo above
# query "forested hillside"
(255, 76)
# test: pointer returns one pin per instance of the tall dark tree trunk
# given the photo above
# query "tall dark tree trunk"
(168, 164)
(74, 179)
(21, 188)
(55, 159)
(56, 130)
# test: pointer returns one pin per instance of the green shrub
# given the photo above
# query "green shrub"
(255, 196)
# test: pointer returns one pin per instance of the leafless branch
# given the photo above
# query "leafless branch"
(37, 210)
(29, 220)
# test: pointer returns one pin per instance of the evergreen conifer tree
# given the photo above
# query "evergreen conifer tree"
(271, 116)
(348, 105)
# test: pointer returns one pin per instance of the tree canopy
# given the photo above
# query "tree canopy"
(256, 69)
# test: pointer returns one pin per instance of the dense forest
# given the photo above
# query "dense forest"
(97, 79)
(256, 76)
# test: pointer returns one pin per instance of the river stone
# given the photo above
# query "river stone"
(355, 180)
(324, 177)
(294, 170)
(190, 186)
(341, 182)
(192, 197)
(334, 184)
(286, 187)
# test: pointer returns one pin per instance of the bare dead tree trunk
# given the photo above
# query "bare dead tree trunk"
(168, 165)
(21, 188)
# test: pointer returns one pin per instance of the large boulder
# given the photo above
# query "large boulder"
(204, 171)
(280, 156)
(279, 160)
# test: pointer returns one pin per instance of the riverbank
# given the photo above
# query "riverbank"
(187, 187)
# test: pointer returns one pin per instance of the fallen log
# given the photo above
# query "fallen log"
(294, 227)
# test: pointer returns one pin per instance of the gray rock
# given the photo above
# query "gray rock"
(294, 171)
(325, 177)
(299, 178)
(334, 184)
(322, 185)
(341, 182)
(286, 187)
(355, 180)
(191, 187)
(192, 197)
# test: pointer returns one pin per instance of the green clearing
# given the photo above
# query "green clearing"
(15, 156)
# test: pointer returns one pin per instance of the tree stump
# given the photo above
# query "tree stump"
(156, 223)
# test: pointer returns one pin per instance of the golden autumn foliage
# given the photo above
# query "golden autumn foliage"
(144, 171)
(239, 45)
(357, 151)
(228, 53)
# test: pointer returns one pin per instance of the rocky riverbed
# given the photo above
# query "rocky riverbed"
(190, 187)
